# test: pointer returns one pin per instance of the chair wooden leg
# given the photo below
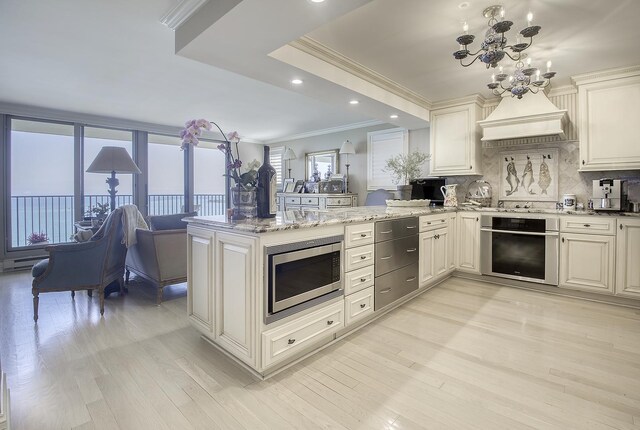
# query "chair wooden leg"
(101, 292)
(159, 297)
(121, 283)
(126, 276)
(36, 299)
(73, 294)
(90, 293)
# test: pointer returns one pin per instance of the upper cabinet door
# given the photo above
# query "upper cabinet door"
(455, 142)
(382, 145)
(609, 111)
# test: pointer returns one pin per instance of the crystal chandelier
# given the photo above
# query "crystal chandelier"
(494, 48)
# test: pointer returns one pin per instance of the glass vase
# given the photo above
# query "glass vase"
(244, 202)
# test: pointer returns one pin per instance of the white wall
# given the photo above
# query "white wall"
(418, 140)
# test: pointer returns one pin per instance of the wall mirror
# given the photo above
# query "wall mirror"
(321, 165)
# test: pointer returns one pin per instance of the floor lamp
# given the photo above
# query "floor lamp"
(113, 159)
(346, 149)
(287, 157)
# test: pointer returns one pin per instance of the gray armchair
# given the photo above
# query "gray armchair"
(83, 266)
(160, 254)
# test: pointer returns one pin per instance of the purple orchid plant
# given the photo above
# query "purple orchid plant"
(190, 137)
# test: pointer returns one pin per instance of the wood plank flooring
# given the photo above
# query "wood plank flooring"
(466, 355)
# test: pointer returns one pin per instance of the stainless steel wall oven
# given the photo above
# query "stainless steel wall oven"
(522, 248)
(301, 274)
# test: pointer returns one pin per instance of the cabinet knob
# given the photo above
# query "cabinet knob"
(470, 167)
(291, 341)
(620, 226)
(329, 322)
(563, 240)
(363, 234)
(363, 257)
(442, 220)
(587, 225)
(363, 279)
(477, 219)
(362, 305)
(583, 162)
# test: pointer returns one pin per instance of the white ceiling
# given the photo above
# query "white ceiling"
(114, 57)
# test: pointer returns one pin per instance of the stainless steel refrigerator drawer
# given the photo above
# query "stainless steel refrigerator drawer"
(395, 228)
(395, 285)
(394, 254)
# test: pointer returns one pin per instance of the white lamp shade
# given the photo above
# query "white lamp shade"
(347, 148)
(113, 159)
(289, 154)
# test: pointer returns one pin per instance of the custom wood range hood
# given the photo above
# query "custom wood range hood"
(533, 115)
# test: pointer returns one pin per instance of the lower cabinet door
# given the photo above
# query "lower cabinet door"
(425, 267)
(628, 258)
(358, 305)
(451, 242)
(200, 296)
(440, 252)
(288, 339)
(587, 262)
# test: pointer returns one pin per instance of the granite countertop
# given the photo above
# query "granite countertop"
(308, 218)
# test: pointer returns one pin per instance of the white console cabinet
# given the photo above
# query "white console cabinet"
(455, 140)
(607, 139)
(628, 258)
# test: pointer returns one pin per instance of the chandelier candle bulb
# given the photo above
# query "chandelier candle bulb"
(529, 19)
(493, 79)
(548, 66)
(537, 75)
(465, 28)
(502, 13)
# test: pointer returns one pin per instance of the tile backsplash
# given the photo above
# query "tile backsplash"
(570, 180)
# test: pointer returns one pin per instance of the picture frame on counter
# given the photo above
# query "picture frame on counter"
(311, 187)
(299, 187)
(288, 185)
(529, 175)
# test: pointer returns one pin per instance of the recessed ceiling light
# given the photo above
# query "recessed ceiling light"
(317, 1)
(463, 5)
(394, 116)
(354, 102)
(296, 81)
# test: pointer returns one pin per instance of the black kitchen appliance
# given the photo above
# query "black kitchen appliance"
(428, 188)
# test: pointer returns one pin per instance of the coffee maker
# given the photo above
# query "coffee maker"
(610, 195)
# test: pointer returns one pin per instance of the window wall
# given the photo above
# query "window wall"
(41, 204)
(166, 175)
(209, 184)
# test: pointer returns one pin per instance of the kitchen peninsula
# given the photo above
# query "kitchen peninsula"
(233, 264)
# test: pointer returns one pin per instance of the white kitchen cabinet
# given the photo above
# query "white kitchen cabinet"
(587, 262)
(608, 141)
(628, 258)
(455, 140)
(433, 255)
(358, 305)
(468, 240)
(235, 307)
(451, 241)
(200, 254)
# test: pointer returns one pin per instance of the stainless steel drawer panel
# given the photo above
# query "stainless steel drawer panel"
(395, 285)
(395, 228)
(394, 254)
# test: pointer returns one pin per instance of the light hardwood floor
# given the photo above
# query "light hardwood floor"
(465, 355)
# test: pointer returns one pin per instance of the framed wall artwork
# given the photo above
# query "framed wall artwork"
(529, 175)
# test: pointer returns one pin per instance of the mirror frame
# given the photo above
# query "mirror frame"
(311, 155)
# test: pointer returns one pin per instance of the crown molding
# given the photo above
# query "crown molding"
(181, 12)
(605, 75)
(324, 53)
(474, 98)
(323, 131)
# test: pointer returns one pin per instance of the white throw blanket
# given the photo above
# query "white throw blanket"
(131, 219)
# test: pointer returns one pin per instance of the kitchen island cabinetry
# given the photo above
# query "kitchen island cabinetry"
(606, 143)
(628, 258)
(455, 140)
(200, 279)
(587, 254)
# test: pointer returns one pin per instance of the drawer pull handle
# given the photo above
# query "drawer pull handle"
(428, 222)
(411, 226)
(329, 322)
(620, 226)
(363, 279)
(291, 341)
(411, 279)
(587, 225)
(442, 220)
(386, 232)
(363, 234)
(385, 291)
(362, 305)
(385, 258)
(436, 236)
(411, 250)
(363, 257)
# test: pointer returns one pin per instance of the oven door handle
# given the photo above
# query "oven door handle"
(524, 233)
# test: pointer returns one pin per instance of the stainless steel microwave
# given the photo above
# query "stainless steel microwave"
(303, 272)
